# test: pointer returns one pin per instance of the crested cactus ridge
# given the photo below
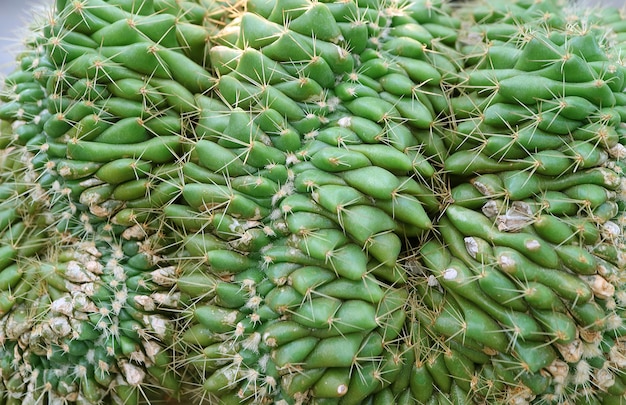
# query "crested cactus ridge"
(308, 202)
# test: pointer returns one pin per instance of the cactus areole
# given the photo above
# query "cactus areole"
(308, 202)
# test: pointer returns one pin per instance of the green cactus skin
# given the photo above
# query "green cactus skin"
(302, 202)
(521, 206)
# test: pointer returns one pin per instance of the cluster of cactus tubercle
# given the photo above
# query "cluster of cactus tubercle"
(359, 202)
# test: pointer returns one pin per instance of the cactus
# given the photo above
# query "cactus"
(307, 202)
(531, 137)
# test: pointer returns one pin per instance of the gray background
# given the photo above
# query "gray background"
(15, 15)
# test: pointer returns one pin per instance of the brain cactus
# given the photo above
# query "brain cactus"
(309, 202)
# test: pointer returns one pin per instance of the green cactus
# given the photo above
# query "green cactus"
(307, 202)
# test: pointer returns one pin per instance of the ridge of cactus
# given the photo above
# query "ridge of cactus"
(302, 202)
